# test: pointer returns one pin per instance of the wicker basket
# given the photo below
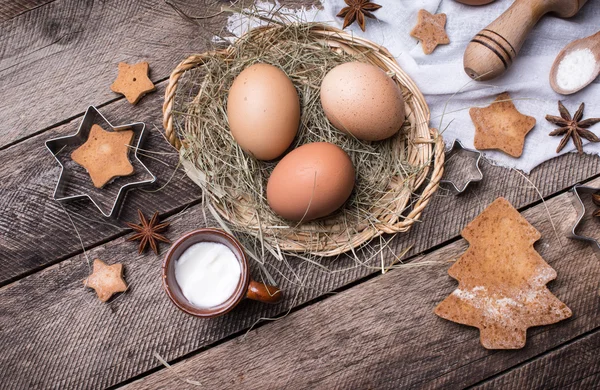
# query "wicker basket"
(411, 196)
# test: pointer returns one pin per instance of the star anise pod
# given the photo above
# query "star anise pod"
(572, 127)
(356, 11)
(148, 232)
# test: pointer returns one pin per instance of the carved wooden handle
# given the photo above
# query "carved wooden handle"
(493, 50)
(263, 293)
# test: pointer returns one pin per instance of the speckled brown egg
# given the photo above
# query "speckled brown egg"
(263, 110)
(310, 182)
(362, 100)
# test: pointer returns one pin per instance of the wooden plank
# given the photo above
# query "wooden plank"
(95, 234)
(29, 210)
(57, 59)
(69, 339)
(575, 365)
(11, 8)
(26, 189)
(113, 342)
(591, 382)
(383, 333)
(443, 220)
(36, 231)
(61, 57)
(25, 195)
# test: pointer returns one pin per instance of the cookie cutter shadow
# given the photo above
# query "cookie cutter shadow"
(56, 145)
(579, 204)
(470, 165)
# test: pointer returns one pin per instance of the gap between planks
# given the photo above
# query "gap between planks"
(12, 8)
(66, 52)
(37, 233)
(210, 359)
(142, 320)
(444, 216)
(554, 368)
(45, 259)
(117, 99)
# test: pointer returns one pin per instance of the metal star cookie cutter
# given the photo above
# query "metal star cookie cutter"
(579, 204)
(94, 117)
(475, 172)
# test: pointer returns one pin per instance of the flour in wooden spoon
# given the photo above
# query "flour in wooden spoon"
(576, 69)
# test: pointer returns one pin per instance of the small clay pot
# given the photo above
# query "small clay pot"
(246, 288)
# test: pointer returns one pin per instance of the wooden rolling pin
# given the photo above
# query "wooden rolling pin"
(494, 49)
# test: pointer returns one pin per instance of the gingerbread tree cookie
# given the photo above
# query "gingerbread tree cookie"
(501, 126)
(133, 81)
(105, 155)
(502, 280)
(106, 280)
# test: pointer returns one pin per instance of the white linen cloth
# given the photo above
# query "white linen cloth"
(447, 88)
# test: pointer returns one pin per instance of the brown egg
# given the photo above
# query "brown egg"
(310, 182)
(362, 100)
(475, 2)
(263, 110)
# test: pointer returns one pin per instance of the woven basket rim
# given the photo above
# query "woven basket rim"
(427, 149)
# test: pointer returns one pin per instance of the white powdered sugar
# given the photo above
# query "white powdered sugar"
(496, 308)
(576, 69)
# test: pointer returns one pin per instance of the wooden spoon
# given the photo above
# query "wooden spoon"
(593, 43)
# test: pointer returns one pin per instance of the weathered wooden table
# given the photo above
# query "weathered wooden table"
(377, 331)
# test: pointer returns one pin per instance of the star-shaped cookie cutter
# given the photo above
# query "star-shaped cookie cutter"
(94, 117)
(474, 155)
(579, 204)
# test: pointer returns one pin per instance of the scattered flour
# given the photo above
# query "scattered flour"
(495, 308)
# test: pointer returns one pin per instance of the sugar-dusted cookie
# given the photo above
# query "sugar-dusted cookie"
(501, 126)
(105, 155)
(106, 280)
(502, 280)
(430, 30)
(133, 81)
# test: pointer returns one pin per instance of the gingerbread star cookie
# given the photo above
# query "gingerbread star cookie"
(501, 126)
(502, 280)
(430, 30)
(105, 155)
(133, 81)
(106, 280)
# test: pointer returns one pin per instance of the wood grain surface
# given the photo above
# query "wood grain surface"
(25, 192)
(36, 229)
(59, 58)
(56, 58)
(573, 366)
(69, 339)
(383, 333)
(386, 322)
(67, 52)
(37, 232)
(30, 212)
(11, 8)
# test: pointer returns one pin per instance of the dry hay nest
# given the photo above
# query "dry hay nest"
(395, 178)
